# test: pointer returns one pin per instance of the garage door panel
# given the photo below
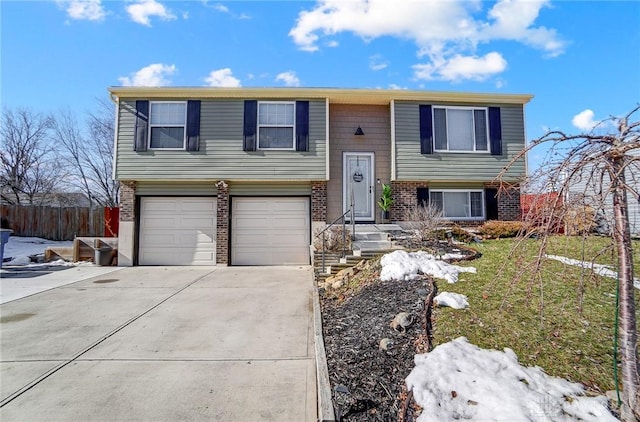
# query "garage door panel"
(197, 206)
(196, 223)
(177, 231)
(170, 239)
(270, 231)
(156, 205)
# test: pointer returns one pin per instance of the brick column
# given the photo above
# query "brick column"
(127, 225)
(405, 198)
(222, 223)
(319, 201)
(127, 201)
(509, 204)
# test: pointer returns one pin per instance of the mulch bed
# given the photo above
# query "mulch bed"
(367, 382)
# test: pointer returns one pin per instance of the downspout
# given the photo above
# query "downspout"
(326, 131)
(393, 139)
(116, 101)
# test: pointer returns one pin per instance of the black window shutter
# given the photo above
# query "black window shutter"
(193, 125)
(250, 125)
(142, 126)
(302, 125)
(426, 130)
(491, 202)
(423, 197)
(495, 131)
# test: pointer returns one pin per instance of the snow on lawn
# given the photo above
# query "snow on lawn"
(458, 380)
(452, 300)
(20, 248)
(401, 265)
(599, 269)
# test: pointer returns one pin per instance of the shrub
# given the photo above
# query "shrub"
(580, 220)
(500, 229)
(334, 239)
(424, 221)
(461, 235)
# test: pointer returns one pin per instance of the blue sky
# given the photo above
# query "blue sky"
(581, 60)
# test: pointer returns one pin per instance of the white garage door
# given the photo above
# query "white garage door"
(177, 231)
(270, 231)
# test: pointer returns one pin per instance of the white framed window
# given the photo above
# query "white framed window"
(460, 129)
(458, 204)
(167, 124)
(276, 125)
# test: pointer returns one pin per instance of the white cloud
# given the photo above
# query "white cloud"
(443, 32)
(584, 120)
(91, 10)
(222, 78)
(513, 20)
(153, 75)
(289, 78)
(376, 62)
(221, 8)
(142, 10)
(459, 68)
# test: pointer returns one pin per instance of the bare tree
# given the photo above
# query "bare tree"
(101, 135)
(29, 171)
(90, 154)
(607, 164)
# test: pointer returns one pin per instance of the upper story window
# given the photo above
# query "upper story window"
(459, 204)
(458, 129)
(276, 125)
(167, 124)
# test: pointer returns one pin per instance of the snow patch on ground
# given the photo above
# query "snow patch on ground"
(20, 248)
(602, 270)
(452, 300)
(401, 265)
(458, 380)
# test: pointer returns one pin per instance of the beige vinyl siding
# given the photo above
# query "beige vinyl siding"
(481, 167)
(269, 189)
(147, 188)
(374, 120)
(221, 155)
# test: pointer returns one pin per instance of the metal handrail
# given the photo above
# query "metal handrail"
(344, 230)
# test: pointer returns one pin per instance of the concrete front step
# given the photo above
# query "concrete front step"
(371, 236)
(337, 266)
(372, 245)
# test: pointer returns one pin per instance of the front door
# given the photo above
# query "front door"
(357, 186)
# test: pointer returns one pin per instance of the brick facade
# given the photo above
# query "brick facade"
(319, 201)
(222, 223)
(127, 201)
(509, 208)
(405, 198)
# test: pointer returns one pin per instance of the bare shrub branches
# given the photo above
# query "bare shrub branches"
(593, 177)
(424, 220)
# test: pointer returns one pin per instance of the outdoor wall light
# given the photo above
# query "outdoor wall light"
(359, 131)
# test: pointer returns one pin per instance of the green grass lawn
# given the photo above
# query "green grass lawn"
(560, 318)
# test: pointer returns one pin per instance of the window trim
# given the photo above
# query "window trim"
(468, 192)
(472, 109)
(293, 127)
(184, 126)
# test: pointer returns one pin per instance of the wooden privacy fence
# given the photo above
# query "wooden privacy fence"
(60, 223)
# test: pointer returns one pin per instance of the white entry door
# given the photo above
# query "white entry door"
(358, 185)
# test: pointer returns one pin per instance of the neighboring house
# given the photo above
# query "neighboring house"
(245, 176)
(587, 189)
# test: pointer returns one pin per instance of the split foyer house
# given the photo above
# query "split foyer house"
(245, 176)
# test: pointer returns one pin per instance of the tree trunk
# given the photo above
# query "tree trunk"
(627, 336)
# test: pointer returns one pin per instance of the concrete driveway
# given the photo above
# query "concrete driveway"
(163, 344)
